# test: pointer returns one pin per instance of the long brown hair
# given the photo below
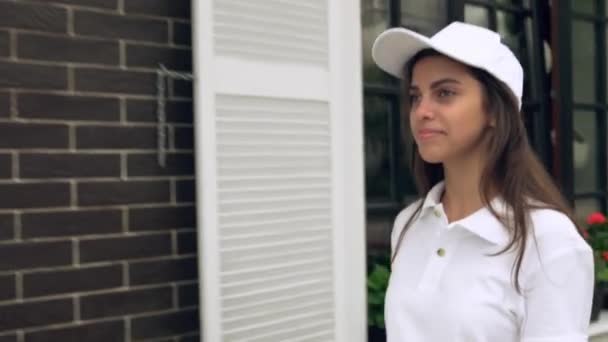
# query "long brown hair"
(512, 169)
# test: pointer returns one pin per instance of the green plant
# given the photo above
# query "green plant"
(377, 282)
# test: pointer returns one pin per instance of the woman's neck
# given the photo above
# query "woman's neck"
(461, 195)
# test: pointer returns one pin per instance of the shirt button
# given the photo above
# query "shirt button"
(441, 252)
(437, 212)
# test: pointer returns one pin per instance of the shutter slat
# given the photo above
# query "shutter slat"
(277, 247)
(262, 286)
(256, 321)
(268, 210)
(245, 317)
(258, 192)
(270, 149)
(320, 333)
(266, 235)
(294, 8)
(274, 225)
(278, 31)
(296, 325)
(300, 176)
(272, 200)
(285, 276)
(275, 257)
(271, 304)
(266, 123)
(318, 336)
(268, 215)
(252, 274)
(250, 297)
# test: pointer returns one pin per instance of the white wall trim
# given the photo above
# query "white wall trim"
(349, 199)
(205, 145)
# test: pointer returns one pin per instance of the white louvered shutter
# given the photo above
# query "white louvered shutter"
(280, 170)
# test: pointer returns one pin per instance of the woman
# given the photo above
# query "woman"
(490, 253)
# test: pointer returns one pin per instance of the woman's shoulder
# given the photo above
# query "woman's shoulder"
(556, 249)
(402, 218)
(407, 212)
(555, 234)
(547, 222)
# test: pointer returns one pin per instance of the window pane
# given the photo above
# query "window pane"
(375, 19)
(379, 227)
(583, 61)
(378, 156)
(532, 83)
(585, 154)
(529, 115)
(518, 3)
(606, 62)
(516, 32)
(426, 17)
(510, 28)
(583, 6)
(477, 15)
(583, 207)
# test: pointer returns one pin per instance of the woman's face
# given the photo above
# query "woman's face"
(447, 115)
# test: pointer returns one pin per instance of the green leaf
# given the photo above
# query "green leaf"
(375, 298)
(602, 275)
(377, 281)
(380, 321)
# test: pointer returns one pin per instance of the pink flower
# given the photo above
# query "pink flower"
(605, 256)
(596, 218)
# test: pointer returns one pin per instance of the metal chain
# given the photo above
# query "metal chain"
(162, 78)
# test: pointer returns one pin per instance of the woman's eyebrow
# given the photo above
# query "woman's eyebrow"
(444, 81)
(437, 83)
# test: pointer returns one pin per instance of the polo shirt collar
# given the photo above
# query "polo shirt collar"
(482, 222)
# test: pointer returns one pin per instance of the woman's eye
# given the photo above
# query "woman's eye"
(414, 98)
(445, 93)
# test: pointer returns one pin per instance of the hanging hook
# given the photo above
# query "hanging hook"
(162, 80)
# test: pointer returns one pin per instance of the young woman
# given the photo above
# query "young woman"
(490, 252)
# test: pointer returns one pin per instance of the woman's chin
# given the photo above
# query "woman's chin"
(431, 157)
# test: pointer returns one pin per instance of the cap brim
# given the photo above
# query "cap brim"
(395, 47)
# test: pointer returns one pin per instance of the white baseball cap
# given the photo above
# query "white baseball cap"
(472, 45)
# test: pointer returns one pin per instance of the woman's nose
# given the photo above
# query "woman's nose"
(422, 109)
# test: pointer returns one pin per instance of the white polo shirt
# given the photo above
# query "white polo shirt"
(444, 287)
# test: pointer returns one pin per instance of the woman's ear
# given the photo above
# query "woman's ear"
(492, 121)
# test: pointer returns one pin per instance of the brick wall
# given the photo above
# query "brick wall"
(97, 242)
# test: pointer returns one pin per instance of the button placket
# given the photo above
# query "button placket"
(441, 253)
(438, 261)
(439, 257)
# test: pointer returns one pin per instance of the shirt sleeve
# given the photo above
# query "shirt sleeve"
(558, 297)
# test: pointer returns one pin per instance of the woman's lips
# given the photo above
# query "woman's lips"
(427, 133)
